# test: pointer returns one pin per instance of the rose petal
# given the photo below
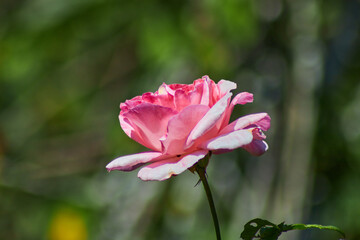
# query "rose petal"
(164, 89)
(164, 169)
(257, 133)
(226, 86)
(181, 99)
(229, 141)
(242, 98)
(209, 120)
(180, 126)
(256, 147)
(196, 93)
(205, 98)
(214, 92)
(165, 100)
(130, 162)
(261, 120)
(132, 132)
(151, 120)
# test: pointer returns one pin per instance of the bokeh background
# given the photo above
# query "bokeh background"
(65, 65)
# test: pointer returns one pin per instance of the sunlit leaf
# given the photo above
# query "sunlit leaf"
(264, 230)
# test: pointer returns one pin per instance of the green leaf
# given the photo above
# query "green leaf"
(260, 229)
(308, 226)
(264, 230)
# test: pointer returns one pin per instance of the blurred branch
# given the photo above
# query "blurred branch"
(295, 164)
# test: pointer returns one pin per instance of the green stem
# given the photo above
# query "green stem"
(202, 174)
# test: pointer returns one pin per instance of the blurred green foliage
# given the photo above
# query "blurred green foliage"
(66, 65)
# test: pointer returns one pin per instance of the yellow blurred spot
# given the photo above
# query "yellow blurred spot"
(67, 224)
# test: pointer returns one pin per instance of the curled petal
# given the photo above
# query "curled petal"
(242, 98)
(261, 120)
(162, 170)
(205, 98)
(226, 86)
(229, 141)
(130, 162)
(165, 89)
(256, 147)
(209, 120)
(258, 134)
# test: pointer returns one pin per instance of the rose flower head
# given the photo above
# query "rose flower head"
(182, 123)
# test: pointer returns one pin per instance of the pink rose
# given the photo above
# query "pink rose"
(182, 123)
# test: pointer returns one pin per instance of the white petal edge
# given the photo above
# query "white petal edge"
(229, 141)
(226, 86)
(247, 120)
(164, 169)
(130, 162)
